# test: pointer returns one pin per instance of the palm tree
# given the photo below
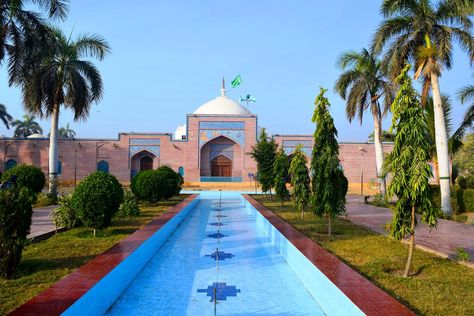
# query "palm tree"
(362, 84)
(466, 94)
(4, 116)
(27, 127)
(66, 132)
(422, 32)
(61, 77)
(23, 29)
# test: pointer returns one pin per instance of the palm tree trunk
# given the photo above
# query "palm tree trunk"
(53, 153)
(441, 138)
(379, 153)
(412, 243)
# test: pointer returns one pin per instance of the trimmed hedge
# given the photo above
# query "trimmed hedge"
(15, 222)
(129, 206)
(26, 176)
(96, 199)
(155, 185)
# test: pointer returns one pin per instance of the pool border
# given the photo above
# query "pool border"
(367, 296)
(65, 292)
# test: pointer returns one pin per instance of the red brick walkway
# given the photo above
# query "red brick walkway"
(443, 241)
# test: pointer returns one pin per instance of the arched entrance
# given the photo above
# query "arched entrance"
(143, 160)
(146, 163)
(221, 166)
(221, 160)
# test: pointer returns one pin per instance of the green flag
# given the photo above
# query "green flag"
(236, 82)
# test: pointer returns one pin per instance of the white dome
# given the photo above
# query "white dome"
(222, 105)
(36, 136)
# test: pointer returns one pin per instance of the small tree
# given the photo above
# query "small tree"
(409, 165)
(328, 183)
(26, 176)
(15, 221)
(96, 199)
(280, 171)
(300, 180)
(264, 153)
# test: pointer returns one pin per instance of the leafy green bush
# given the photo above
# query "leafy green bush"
(461, 199)
(64, 215)
(96, 199)
(129, 206)
(173, 181)
(148, 186)
(15, 222)
(379, 200)
(26, 176)
(468, 199)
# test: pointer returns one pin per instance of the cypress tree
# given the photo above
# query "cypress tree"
(300, 180)
(409, 165)
(280, 171)
(264, 153)
(329, 185)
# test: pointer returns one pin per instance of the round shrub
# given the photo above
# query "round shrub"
(173, 181)
(148, 186)
(96, 199)
(129, 206)
(15, 222)
(26, 176)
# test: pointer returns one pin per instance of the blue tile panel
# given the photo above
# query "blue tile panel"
(220, 216)
(151, 148)
(294, 143)
(221, 179)
(144, 141)
(222, 291)
(220, 255)
(236, 135)
(221, 149)
(222, 125)
(306, 150)
(216, 235)
(217, 224)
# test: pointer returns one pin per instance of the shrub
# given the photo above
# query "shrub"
(96, 199)
(465, 182)
(148, 186)
(44, 199)
(129, 206)
(379, 200)
(173, 181)
(15, 221)
(468, 199)
(64, 215)
(26, 176)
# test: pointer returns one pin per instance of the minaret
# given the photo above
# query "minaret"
(223, 87)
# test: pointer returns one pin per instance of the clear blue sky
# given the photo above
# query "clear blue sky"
(169, 57)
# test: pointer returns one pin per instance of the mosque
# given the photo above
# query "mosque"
(212, 146)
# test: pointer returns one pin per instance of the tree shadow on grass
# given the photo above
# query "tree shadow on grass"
(28, 267)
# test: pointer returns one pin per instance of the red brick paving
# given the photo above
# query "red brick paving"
(68, 290)
(444, 240)
(368, 297)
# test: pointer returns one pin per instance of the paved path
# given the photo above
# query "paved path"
(443, 241)
(41, 222)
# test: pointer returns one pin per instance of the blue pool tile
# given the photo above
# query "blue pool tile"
(216, 224)
(216, 235)
(222, 291)
(219, 216)
(221, 255)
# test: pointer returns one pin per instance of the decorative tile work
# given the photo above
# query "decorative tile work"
(154, 149)
(216, 235)
(234, 134)
(307, 151)
(217, 224)
(294, 143)
(222, 291)
(220, 255)
(222, 125)
(144, 141)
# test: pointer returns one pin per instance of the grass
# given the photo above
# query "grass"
(437, 287)
(46, 262)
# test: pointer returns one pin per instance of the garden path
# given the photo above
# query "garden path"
(41, 223)
(443, 241)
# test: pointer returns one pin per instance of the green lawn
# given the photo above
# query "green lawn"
(46, 262)
(439, 286)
